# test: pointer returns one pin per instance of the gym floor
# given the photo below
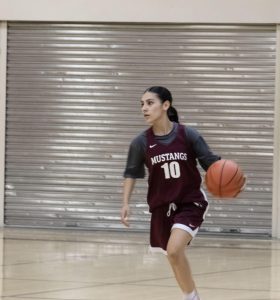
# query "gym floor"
(66, 264)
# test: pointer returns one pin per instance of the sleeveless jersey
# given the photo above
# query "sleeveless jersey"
(173, 173)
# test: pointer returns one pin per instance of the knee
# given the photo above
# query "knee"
(174, 253)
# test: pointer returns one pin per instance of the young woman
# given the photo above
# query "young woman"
(176, 201)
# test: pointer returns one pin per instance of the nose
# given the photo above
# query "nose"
(144, 108)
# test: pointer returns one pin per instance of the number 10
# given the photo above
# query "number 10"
(171, 170)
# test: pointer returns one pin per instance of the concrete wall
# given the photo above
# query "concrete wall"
(276, 159)
(3, 56)
(197, 11)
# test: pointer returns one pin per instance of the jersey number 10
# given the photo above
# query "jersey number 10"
(171, 170)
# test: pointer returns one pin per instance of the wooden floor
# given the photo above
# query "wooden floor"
(60, 265)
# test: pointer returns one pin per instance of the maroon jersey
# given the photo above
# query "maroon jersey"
(173, 173)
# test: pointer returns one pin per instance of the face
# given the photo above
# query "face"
(152, 108)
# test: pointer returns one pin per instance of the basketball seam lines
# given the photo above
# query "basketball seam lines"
(220, 184)
(232, 177)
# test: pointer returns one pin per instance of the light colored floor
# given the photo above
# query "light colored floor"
(46, 264)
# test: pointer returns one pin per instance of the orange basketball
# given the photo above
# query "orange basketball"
(224, 179)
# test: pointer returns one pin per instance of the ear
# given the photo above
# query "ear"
(166, 104)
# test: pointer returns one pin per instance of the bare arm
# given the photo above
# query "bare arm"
(128, 187)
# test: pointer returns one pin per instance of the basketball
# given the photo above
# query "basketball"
(225, 179)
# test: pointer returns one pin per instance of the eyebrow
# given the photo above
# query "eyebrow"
(147, 99)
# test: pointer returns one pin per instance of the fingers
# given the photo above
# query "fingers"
(244, 184)
(124, 215)
(125, 222)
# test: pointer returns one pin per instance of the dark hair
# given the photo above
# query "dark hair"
(165, 95)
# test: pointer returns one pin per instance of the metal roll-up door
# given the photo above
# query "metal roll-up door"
(73, 93)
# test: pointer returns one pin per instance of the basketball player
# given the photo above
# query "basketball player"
(175, 198)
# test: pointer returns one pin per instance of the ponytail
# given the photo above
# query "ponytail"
(172, 114)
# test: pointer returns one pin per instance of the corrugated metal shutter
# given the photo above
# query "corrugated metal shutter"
(73, 96)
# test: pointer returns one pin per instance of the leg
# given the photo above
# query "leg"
(178, 260)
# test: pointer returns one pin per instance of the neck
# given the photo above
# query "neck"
(162, 128)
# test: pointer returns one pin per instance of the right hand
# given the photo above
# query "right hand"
(125, 215)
